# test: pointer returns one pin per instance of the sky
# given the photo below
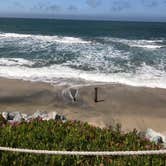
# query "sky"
(145, 10)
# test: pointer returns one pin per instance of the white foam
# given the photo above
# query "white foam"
(14, 35)
(46, 38)
(147, 44)
(15, 62)
(145, 76)
(100, 57)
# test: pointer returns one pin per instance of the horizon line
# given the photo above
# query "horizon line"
(83, 19)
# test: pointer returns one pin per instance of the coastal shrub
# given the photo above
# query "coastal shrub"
(70, 136)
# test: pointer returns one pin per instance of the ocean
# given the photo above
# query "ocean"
(80, 52)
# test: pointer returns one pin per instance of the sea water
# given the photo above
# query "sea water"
(79, 52)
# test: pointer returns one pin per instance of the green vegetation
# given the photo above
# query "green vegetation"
(72, 135)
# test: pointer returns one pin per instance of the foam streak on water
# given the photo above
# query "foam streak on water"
(69, 40)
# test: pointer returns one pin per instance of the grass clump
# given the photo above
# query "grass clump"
(71, 136)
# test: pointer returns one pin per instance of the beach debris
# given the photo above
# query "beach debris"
(19, 117)
(155, 137)
(70, 95)
(73, 94)
(96, 96)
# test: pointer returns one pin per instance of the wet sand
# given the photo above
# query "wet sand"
(132, 107)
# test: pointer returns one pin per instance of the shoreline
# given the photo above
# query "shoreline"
(132, 107)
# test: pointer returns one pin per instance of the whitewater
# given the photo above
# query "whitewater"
(80, 59)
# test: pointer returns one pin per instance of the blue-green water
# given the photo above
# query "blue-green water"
(61, 51)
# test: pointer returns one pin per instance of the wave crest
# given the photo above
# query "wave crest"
(15, 62)
(147, 44)
(57, 74)
(58, 39)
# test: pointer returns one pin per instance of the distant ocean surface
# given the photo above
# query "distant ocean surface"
(74, 52)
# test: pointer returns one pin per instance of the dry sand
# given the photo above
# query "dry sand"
(132, 107)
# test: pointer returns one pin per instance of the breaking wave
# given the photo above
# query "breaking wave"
(149, 44)
(57, 74)
(59, 39)
(63, 59)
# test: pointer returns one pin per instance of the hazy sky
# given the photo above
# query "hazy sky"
(102, 9)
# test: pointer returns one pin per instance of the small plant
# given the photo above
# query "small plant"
(70, 136)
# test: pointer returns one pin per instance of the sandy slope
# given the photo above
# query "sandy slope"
(133, 107)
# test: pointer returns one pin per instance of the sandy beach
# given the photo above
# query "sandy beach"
(132, 107)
